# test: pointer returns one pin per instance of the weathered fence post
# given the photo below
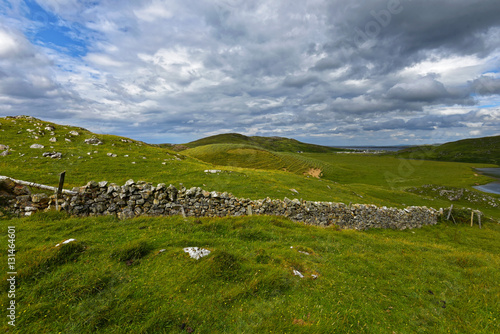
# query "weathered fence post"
(60, 188)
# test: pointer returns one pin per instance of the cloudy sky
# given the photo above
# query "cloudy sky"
(334, 72)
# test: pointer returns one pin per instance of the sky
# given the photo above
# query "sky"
(330, 72)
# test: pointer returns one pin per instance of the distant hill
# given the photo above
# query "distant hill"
(476, 150)
(276, 144)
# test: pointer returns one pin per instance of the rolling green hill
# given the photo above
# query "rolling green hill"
(276, 144)
(478, 150)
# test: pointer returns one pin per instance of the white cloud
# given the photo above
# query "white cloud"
(8, 46)
(154, 11)
(103, 60)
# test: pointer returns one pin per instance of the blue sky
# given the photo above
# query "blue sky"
(378, 72)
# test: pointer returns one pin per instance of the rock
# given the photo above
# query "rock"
(37, 146)
(3, 147)
(39, 198)
(6, 188)
(9, 188)
(66, 242)
(212, 171)
(92, 184)
(53, 155)
(141, 198)
(68, 140)
(5, 153)
(50, 128)
(20, 190)
(74, 133)
(129, 183)
(53, 139)
(93, 141)
(196, 253)
(112, 155)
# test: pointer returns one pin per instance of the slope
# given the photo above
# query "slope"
(254, 157)
(276, 144)
(476, 150)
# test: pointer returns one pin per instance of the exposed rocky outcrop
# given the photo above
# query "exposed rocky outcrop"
(141, 198)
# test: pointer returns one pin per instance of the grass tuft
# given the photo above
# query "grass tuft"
(41, 261)
(226, 266)
(132, 251)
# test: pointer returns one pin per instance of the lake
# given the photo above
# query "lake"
(493, 187)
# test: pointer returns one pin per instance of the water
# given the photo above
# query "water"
(494, 172)
(374, 148)
(493, 187)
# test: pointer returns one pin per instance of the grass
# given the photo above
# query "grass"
(133, 276)
(275, 144)
(246, 156)
(485, 150)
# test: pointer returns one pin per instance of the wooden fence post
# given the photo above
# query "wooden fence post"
(60, 188)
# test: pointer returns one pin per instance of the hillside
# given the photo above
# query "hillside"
(479, 150)
(276, 144)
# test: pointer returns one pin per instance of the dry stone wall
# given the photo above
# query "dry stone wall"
(141, 198)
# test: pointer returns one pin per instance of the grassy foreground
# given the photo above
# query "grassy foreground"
(115, 278)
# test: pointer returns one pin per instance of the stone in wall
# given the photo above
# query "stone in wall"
(141, 198)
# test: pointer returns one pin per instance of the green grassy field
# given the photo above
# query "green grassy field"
(114, 279)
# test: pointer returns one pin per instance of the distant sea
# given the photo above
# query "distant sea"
(374, 148)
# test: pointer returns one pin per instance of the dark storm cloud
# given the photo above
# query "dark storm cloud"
(397, 33)
(486, 85)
